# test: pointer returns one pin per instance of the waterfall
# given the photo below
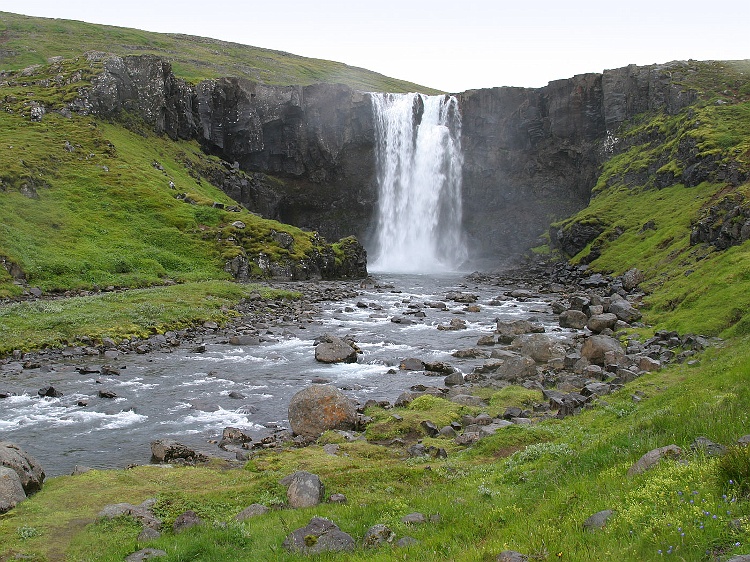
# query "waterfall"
(419, 162)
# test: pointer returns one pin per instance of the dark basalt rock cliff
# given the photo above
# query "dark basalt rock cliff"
(315, 141)
(531, 156)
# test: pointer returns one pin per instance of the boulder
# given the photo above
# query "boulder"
(454, 379)
(414, 518)
(411, 364)
(185, 521)
(597, 520)
(632, 278)
(595, 349)
(11, 490)
(320, 535)
(29, 471)
(540, 347)
(253, 510)
(305, 489)
(377, 536)
(168, 450)
(335, 350)
(233, 436)
(508, 330)
(321, 407)
(145, 554)
(574, 319)
(652, 458)
(510, 556)
(142, 513)
(515, 368)
(624, 310)
(600, 322)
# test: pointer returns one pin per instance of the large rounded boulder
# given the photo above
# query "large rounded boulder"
(321, 407)
(335, 350)
(597, 349)
(29, 471)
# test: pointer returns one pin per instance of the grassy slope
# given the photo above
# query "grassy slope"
(693, 288)
(25, 41)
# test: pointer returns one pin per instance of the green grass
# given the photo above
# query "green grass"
(28, 41)
(532, 497)
(134, 313)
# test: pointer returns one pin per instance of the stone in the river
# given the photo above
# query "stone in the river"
(29, 471)
(411, 364)
(335, 350)
(321, 407)
(233, 436)
(49, 392)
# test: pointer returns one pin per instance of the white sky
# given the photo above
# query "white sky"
(453, 46)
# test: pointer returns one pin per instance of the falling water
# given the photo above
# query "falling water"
(419, 165)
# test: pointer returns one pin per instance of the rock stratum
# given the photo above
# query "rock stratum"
(532, 155)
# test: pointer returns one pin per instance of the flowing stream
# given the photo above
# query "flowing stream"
(192, 396)
(419, 165)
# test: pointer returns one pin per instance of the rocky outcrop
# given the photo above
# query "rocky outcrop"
(531, 156)
(723, 225)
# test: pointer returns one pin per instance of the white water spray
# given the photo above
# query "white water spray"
(419, 164)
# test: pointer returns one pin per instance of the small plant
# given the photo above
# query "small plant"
(24, 532)
(734, 470)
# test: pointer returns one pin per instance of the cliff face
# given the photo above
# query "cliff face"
(532, 156)
(317, 140)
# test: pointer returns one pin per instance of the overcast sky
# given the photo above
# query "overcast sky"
(453, 46)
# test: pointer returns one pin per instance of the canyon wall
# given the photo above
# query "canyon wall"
(531, 156)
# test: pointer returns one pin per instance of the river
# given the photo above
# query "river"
(192, 396)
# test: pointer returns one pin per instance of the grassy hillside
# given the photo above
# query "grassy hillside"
(647, 211)
(90, 205)
(25, 41)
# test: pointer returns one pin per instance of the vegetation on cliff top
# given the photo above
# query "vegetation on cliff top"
(29, 40)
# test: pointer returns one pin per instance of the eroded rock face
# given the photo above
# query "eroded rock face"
(321, 407)
(318, 139)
